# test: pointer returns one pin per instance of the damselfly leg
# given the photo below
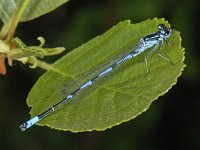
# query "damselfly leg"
(159, 47)
(170, 43)
(147, 57)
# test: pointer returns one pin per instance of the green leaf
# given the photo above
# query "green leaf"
(35, 8)
(119, 96)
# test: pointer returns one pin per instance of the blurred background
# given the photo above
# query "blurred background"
(172, 122)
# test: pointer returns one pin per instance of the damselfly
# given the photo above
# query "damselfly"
(153, 41)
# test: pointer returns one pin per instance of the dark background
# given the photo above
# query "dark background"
(172, 122)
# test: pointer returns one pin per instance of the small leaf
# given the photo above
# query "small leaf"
(35, 8)
(119, 96)
(4, 48)
(2, 65)
(29, 54)
(22, 50)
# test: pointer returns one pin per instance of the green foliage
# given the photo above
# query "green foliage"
(119, 96)
(23, 50)
(11, 13)
(34, 9)
(24, 53)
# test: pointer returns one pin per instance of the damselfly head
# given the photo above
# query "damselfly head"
(164, 31)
